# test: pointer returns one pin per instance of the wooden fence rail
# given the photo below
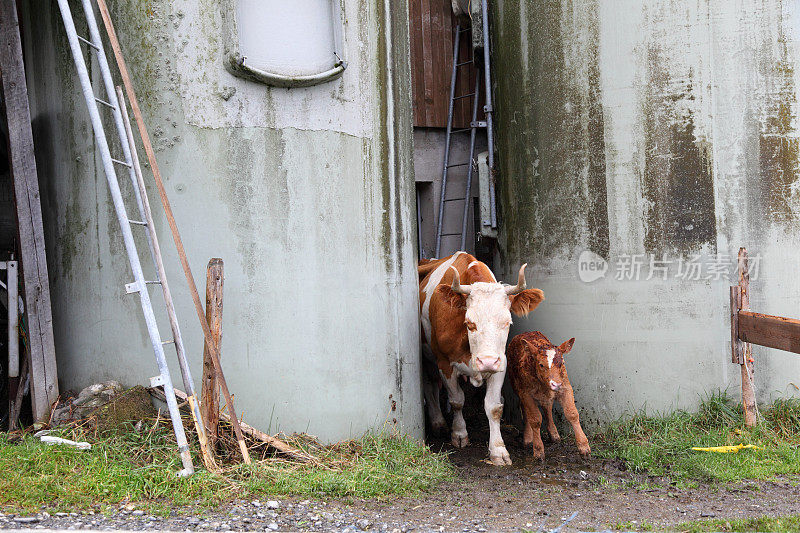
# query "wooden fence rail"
(748, 328)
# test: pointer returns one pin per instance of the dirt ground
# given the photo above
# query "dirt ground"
(533, 495)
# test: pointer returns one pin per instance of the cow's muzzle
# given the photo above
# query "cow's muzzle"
(488, 363)
(554, 386)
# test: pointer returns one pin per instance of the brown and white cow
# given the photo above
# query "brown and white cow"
(464, 329)
(538, 375)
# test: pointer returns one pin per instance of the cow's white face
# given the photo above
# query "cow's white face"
(488, 319)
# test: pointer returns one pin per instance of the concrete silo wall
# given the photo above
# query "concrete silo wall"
(307, 195)
(638, 129)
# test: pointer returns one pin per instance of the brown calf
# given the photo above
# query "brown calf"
(538, 375)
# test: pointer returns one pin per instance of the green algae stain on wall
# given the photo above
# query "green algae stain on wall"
(595, 138)
(550, 129)
(677, 175)
(778, 142)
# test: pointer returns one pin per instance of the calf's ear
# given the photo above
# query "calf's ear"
(526, 301)
(566, 346)
(451, 297)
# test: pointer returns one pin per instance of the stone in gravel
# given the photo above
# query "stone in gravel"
(256, 503)
(27, 519)
(274, 504)
(138, 512)
(193, 520)
(62, 514)
(363, 524)
(273, 526)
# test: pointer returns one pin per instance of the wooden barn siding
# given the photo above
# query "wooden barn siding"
(432, 29)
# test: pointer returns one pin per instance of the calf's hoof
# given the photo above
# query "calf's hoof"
(538, 452)
(499, 456)
(460, 441)
(439, 428)
(584, 450)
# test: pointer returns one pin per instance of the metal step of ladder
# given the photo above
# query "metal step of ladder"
(114, 102)
(474, 125)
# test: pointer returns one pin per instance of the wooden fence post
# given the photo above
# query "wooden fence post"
(746, 358)
(209, 394)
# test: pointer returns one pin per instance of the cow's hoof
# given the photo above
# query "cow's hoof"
(500, 457)
(556, 439)
(584, 451)
(460, 441)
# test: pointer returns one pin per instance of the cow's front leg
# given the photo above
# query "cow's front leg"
(493, 404)
(455, 395)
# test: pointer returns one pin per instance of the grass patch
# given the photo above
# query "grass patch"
(661, 445)
(140, 467)
(764, 523)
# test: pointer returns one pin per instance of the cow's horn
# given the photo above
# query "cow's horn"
(457, 288)
(520, 286)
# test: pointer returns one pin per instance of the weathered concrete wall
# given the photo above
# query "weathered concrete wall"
(650, 128)
(307, 195)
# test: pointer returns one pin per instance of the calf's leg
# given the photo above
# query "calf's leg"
(551, 426)
(533, 424)
(455, 395)
(567, 400)
(493, 405)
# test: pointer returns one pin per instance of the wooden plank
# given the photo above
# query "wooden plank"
(748, 372)
(443, 34)
(42, 355)
(737, 347)
(770, 331)
(209, 403)
(417, 61)
(428, 65)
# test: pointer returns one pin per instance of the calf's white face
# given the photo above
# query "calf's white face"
(488, 319)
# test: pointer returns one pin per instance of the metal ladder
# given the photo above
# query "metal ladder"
(129, 160)
(473, 127)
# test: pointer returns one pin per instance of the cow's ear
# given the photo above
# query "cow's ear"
(526, 301)
(452, 298)
(566, 346)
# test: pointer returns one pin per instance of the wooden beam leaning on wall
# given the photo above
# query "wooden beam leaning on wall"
(209, 395)
(41, 346)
